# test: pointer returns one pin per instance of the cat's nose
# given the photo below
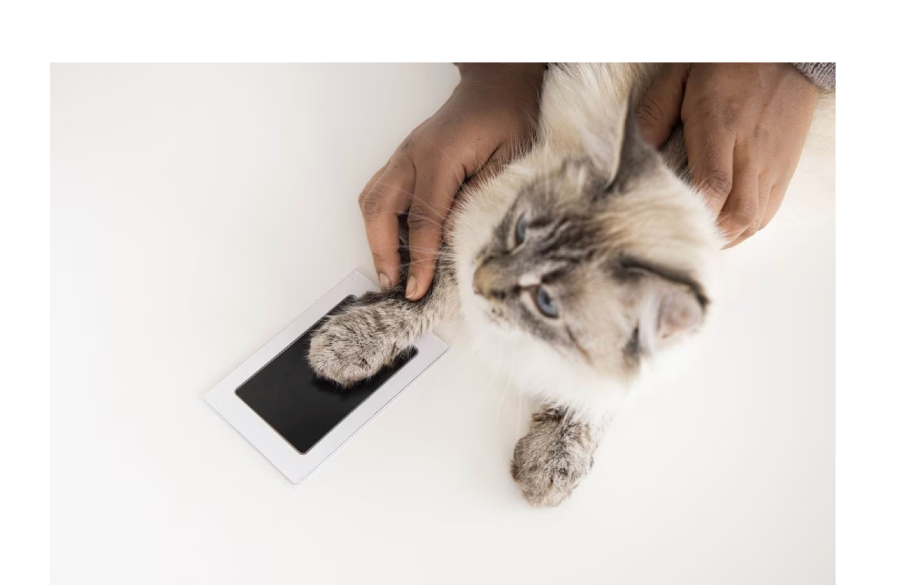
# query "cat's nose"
(483, 281)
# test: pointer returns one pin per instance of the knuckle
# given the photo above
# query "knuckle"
(383, 257)
(743, 218)
(720, 110)
(716, 182)
(760, 134)
(423, 214)
(406, 145)
(419, 221)
(649, 112)
(730, 114)
(371, 205)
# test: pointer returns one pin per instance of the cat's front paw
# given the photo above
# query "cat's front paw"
(349, 348)
(551, 460)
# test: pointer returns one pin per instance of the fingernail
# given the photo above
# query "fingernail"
(411, 286)
(384, 282)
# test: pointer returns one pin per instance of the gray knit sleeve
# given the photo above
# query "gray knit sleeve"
(822, 74)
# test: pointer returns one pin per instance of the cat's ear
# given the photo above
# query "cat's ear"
(672, 302)
(678, 311)
(618, 151)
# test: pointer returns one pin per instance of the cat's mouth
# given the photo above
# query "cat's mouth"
(493, 315)
(489, 308)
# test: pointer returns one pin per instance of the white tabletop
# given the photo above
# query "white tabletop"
(196, 210)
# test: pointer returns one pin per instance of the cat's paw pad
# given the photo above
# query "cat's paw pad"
(551, 460)
(348, 349)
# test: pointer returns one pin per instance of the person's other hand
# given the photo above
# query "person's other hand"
(491, 114)
(745, 125)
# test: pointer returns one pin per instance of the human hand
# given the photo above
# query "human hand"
(744, 124)
(490, 115)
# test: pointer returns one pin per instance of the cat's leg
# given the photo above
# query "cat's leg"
(375, 330)
(551, 460)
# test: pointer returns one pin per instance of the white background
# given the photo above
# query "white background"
(197, 210)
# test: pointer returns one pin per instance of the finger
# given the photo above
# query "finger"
(781, 181)
(765, 190)
(365, 192)
(763, 198)
(660, 109)
(777, 196)
(386, 195)
(436, 188)
(710, 154)
(741, 210)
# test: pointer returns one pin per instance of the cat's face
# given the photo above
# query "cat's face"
(597, 265)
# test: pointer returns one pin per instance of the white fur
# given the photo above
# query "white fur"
(649, 239)
(575, 118)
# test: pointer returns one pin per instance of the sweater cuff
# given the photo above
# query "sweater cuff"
(821, 74)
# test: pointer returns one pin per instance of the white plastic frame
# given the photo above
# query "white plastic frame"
(291, 463)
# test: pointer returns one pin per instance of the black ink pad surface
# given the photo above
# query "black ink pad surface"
(296, 420)
(299, 406)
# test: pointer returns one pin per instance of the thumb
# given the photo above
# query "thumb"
(661, 108)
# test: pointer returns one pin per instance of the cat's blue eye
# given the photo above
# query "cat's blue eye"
(546, 303)
(521, 230)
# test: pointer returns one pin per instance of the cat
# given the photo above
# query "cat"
(576, 264)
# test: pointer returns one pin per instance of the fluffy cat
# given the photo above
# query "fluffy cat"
(578, 263)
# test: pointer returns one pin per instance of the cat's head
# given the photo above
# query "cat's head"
(599, 257)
